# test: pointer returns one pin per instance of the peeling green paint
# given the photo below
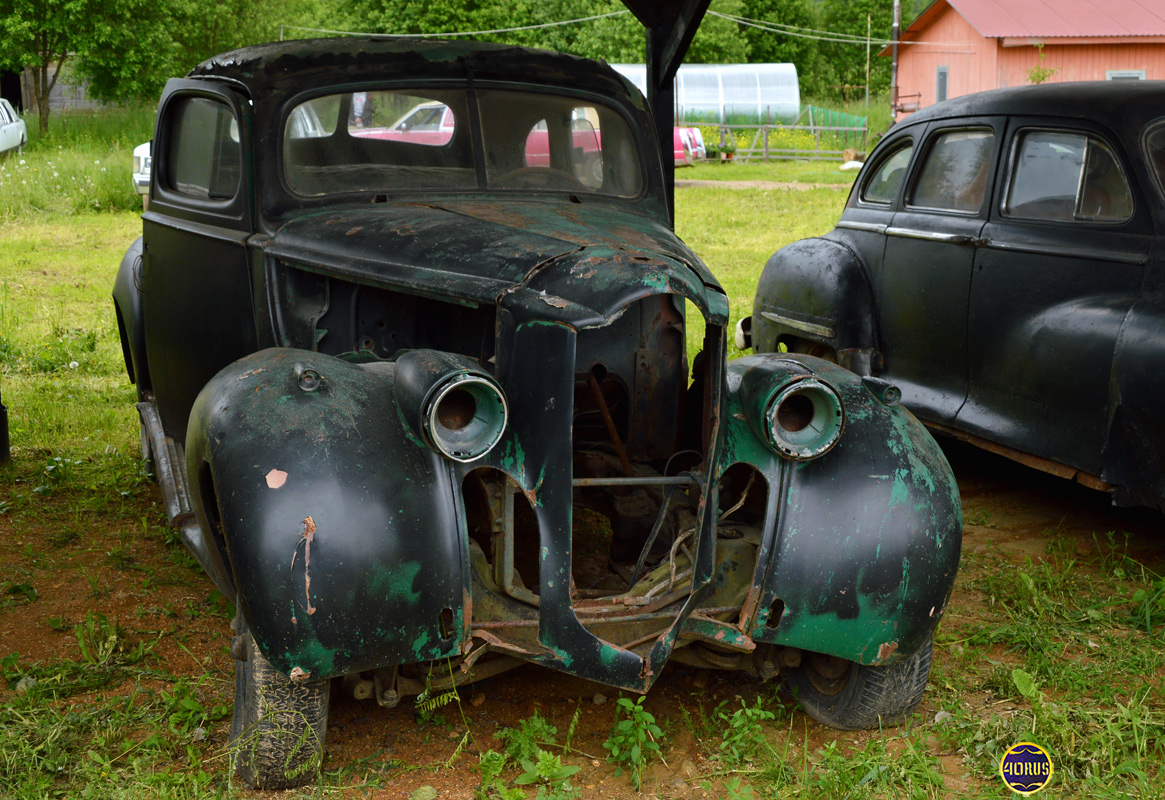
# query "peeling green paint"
(395, 584)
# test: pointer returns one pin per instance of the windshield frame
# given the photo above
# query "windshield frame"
(418, 87)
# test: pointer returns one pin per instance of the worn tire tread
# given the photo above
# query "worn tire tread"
(278, 728)
(872, 697)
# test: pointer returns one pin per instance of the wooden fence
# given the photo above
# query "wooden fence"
(829, 140)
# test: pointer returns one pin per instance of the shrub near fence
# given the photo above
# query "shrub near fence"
(817, 134)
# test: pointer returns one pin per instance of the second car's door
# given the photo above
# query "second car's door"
(1063, 260)
(926, 269)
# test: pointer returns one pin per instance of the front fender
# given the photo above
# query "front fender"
(127, 302)
(816, 290)
(342, 528)
(861, 545)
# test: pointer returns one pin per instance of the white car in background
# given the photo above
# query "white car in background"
(13, 132)
(141, 169)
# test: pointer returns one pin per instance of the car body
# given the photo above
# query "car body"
(688, 146)
(425, 411)
(13, 131)
(1001, 260)
(142, 166)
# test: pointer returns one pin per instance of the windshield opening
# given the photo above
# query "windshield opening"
(386, 141)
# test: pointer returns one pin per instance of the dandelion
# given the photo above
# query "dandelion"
(73, 365)
(22, 162)
(95, 161)
(56, 175)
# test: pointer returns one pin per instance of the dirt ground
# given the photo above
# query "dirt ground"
(156, 595)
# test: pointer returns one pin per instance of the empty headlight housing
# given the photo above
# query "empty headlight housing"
(465, 417)
(804, 419)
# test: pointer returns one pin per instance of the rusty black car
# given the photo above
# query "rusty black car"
(1000, 260)
(420, 402)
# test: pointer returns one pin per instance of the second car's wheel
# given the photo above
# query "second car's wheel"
(278, 727)
(851, 696)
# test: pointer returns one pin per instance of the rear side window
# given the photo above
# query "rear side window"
(955, 174)
(1064, 176)
(204, 156)
(1155, 149)
(883, 186)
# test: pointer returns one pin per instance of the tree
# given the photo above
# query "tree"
(42, 35)
(799, 48)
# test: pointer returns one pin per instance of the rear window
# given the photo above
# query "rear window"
(1063, 176)
(383, 141)
(1155, 150)
(204, 156)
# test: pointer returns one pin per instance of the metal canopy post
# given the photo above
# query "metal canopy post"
(670, 28)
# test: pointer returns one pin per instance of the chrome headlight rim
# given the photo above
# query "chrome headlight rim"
(445, 404)
(804, 419)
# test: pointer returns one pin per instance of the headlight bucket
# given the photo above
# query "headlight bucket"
(804, 419)
(452, 404)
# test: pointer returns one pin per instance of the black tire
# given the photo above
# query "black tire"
(278, 727)
(851, 696)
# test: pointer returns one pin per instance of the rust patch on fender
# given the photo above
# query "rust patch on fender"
(275, 480)
(299, 674)
(308, 535)
(885, 649)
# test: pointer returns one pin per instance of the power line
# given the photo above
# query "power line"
(835, 37)
(745, 20)
(454, 33)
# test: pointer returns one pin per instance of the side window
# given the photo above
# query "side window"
(883, 186)
(4, 117)
(955, 174)
(204, 157)
(1063, 176)
(1155, 149)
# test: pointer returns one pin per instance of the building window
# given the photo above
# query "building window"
(940, 91)
(1124, 75)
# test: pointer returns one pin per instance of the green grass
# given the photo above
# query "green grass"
(777, 171)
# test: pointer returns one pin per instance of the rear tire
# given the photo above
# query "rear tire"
(278, 727)
(852, 696)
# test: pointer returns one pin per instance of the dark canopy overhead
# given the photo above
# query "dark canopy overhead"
(670, 24)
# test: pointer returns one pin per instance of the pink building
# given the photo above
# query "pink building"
(957, 47)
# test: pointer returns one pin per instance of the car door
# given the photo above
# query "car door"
(195, 279)
(9, 129)
(926, 269)
(1063, 260)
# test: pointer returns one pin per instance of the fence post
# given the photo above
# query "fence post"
(765, 133)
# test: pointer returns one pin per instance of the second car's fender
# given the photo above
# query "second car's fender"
(818, 291)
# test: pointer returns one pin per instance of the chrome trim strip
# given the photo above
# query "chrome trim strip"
(808, 327)
(1136, 259)
(872, 227)
(932, 236)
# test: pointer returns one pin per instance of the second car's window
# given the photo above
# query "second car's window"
(888, 177)
(955, 174)
(204, 154)
(1063, 176)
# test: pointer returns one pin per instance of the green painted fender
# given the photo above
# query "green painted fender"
(341, 526)
(861, 545)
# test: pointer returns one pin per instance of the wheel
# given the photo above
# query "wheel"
(851, 696)
(278, 727)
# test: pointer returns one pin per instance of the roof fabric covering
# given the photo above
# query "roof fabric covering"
(1049, 19)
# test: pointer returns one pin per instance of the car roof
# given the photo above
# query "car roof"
(308, 63)
(1119, 104)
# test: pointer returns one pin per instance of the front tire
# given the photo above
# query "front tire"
(278, 727)
(852, 696)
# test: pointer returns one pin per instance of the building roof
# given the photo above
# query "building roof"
(1051, 19)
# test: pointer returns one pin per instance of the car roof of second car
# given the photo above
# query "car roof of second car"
(288, 67)
(1122, 105)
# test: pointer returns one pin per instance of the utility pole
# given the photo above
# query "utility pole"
(894, 62)
(868, 28)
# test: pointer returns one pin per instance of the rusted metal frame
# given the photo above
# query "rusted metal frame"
(504, 572)
(616, 440)
(172, 481)
(768, 546)
(1027, 459)
(652, 480)
(660, 518)
(504, 624)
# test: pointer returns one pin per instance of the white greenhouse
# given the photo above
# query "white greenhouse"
(729, 93)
